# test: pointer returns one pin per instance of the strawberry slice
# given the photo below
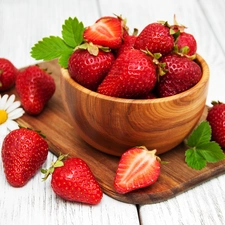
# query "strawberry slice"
(138, 168)
(106, 31)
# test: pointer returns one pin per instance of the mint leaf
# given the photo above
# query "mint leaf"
(194, 159)
(55, 47)
(72, 32)
(201, 148)
(201, 134)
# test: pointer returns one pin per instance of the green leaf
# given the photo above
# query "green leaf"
(55, 47)
(72, 32)
(64, 58)
(201, 134)
(49, 48)
(211, 151)
(201, 148)
(194, 159)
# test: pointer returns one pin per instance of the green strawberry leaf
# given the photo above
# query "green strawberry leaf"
(55, 47)
(202, 134)
(64, 58)
(49, 48)
(72, 32)
(194, 159)
(211, 152)
(201, 149)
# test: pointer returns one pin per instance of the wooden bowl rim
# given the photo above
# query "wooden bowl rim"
(204, 79)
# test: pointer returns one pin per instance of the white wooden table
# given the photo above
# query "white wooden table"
(24, 22)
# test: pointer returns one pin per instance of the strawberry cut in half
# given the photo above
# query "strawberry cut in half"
(106, 31)
(138, 168)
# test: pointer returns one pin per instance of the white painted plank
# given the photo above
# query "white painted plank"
(214, 14)
(36, 204)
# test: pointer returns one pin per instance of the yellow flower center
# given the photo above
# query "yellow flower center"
(3, 116)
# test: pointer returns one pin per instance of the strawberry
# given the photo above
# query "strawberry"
(35, 87)
(23, 153)
(128, 43)
(73, 180)
(106, 31)
(138, 168)
(8, 73)
(132, 75)
(89, 70)
(181, 74)
(186, 44)
(216, 119)
(155, 38)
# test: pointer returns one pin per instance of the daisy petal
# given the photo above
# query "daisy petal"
(13, 111)
(10, 101)
(12, 125)
(15, 114)
(13, 106)
(3, 129)
(2, 137)
(3, 101)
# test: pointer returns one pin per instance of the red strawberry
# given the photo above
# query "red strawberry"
(216, 119)
(132, 75)
(186, 44)
(106, 31)
(23, 153)
(182, 74)
(150, 95)
(8, 73)
(89, 70)
(73, 180)
(128, 43)
(156, 38)
(35, 87)
(138, 168)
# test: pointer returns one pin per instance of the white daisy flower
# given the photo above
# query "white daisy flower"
(9, 111)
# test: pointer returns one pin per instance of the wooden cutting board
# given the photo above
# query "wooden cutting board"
(175, 177)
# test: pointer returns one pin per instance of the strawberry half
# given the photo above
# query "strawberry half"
(106, 31)
(138, 168)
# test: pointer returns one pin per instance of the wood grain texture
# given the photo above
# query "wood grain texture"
(175, 178)
(114, 125)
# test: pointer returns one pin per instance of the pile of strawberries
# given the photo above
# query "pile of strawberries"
(158, 62)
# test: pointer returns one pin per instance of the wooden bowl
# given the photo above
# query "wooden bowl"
(113, 125)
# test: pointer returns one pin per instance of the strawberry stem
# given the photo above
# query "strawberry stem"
(37, 131)
(57, 163)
